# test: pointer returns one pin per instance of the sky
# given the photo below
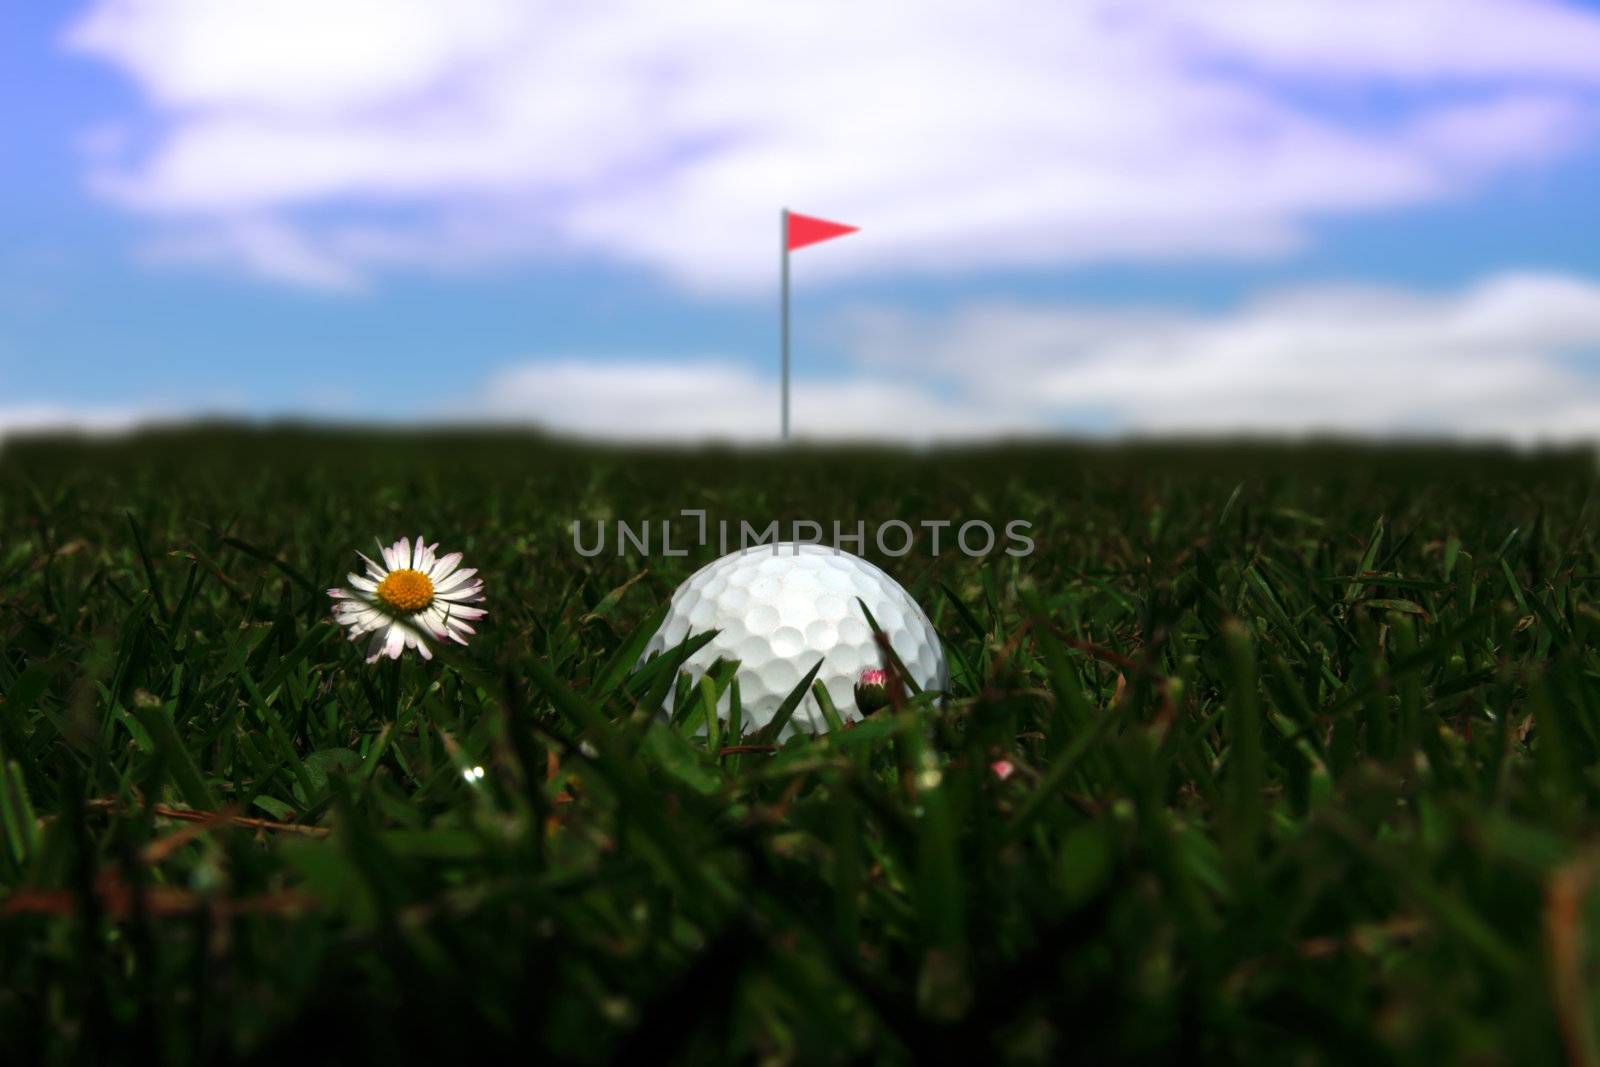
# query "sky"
(1131, 217)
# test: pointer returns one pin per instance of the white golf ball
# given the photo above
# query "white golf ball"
(777, 609)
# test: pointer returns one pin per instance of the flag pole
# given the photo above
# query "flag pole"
(797, 231)
(783, 242)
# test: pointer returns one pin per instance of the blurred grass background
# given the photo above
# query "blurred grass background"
(1306, 744)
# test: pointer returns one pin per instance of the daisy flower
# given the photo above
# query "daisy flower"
(872, 690)
(414, 594)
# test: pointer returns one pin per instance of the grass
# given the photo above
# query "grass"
(1307, 749)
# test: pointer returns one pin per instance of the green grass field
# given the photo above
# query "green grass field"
(1307, 745)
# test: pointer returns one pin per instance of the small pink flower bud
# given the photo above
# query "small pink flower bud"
(1003, 769)
(872, 690)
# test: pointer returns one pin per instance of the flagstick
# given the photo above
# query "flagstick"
(784, 244)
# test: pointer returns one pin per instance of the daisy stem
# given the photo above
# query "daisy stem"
(391, 696)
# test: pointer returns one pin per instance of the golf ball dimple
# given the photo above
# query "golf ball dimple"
(777, 609)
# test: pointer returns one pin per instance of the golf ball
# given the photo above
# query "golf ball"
(777, 609)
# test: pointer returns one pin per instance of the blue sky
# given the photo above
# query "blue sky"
(204, 214)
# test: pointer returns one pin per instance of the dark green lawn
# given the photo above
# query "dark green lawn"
(1307, 749)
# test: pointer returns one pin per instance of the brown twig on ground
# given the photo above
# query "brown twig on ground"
(1087, 647)
(158, 900)
(735, 750)
(167, 811)
(162, 847)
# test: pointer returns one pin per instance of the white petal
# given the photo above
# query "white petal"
(402, 553)
(461, 611)
(433, 619)
(455, 580)
(375, 647)
(396, 642)
(366, 585)
(376, 572)
(371, 619)
(443, 567)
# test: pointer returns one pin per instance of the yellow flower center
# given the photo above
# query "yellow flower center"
(406, 590)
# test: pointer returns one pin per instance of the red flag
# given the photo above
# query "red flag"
(805, 230)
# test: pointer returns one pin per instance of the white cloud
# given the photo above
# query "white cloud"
(32, 418)
(1411, 41)
(655, 400)
(1515, 357)
(958, 136)
(266, 246)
